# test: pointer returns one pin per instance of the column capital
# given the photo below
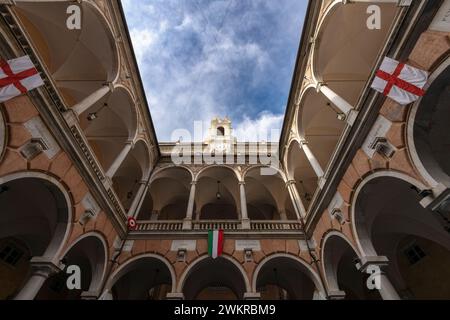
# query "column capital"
(364, 262)
(241, 183)
(290, 183)
(43, 266)
(110, 85)
(319, 85)
(194, 183)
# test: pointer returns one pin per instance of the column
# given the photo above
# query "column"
(245, 222)
(106, 295)
(42, 269)
(187, 223)
(93, 98)
(345, 107)
(299, 208)
(283, 215)
(314, 163)
(386, 289)
(119, 160)
(138, 200)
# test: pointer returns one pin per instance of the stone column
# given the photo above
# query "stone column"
(187, 223)
(119, 160)
(92, 99)
(369, 265)
(299, 208)
(138, 200)
(345, 107)
(42, 269)
(245, 221)
(314, 163)
(106, 295)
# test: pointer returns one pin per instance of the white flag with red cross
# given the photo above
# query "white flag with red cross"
(400, 82)
(18, 76)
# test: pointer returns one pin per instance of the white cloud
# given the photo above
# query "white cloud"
(267, 127)
(143, 40)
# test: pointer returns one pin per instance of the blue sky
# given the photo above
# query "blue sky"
(205, 58)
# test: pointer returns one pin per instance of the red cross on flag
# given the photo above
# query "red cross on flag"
(18, 76)
(400, 82)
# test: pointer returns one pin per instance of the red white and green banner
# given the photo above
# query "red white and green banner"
(215, 243)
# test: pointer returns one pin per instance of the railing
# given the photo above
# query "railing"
(159, 226)
(264, 225)
(227, 225)
(216, 224)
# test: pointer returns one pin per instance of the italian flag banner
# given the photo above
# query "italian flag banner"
(215, 243)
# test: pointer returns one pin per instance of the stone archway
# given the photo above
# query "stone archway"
(286, 277)
(146, 277)
(34, 220)
(389, 221)
(214, 279)
(89, 253)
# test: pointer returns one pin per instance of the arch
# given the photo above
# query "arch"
(80, 61)
(90, 253)
(319, 125)
(191, 268)
(36, 215)
(276, 171)
(161, 171)
(128, 266)
(338, 265)
(344, 53)
(266, 194)
(133, 171)
(220, 131)
(306, 269)
(217, 195)
(64, 208)
(299, 169)
(427, 133)
(167, 205)
(109, 124)
(208, 168)
(100, 275)
(414, 239)
(3, 134)
(363, 247)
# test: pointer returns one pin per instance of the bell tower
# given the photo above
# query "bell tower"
(220, 136)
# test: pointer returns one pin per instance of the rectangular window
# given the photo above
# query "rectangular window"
(11, 254)
(414, 254)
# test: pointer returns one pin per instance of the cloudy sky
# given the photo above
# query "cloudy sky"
(205, 58)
